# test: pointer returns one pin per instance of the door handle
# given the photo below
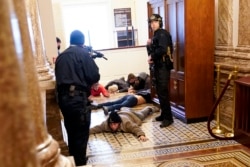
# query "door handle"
(175, 84)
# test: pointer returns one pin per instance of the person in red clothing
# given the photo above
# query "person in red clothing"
(97, 89)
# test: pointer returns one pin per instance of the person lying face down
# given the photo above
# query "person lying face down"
(127, 121)
(138, 83)
(97, 89)
(129, 100)
(117, 86)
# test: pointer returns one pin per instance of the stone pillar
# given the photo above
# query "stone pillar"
(43, 67)
(47, 149)
(232, 48)
(54, 120)
(225, 23)
(244, 23)
(224, 50)
(46, 77)
(17, 134)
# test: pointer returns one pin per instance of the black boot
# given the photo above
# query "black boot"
(95, 106)
(159, 118)
(166, 123)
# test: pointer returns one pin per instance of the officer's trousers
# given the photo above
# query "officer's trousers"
(77, 119)
(162, 78)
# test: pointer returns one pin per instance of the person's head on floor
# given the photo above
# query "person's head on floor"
(131, 78)
(77, 38)
(113, 88)
(114, 121)
(95, 86)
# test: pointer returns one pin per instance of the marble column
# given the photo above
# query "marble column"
(43, 67)
(233, 36)
(224, 50)
(232, 49)
(47, 149)
(244, 33)
(17, 134)
(45, 76)
(244, 24)
(225, 25)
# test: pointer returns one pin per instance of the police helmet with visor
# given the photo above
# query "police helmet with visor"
(155, 17)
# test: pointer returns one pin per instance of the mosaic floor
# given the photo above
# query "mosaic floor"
(179, 145)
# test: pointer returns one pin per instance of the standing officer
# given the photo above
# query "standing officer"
(160, 50)
(75, 73)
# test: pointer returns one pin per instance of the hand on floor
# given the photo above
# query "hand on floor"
(142, 138)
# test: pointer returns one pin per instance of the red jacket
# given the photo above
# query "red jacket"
(99, 91)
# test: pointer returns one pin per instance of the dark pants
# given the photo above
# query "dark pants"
(162, 78)
(77, 119)
(125, 101)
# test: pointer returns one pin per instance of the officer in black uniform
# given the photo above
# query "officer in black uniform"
(75, 72)
(160, 49)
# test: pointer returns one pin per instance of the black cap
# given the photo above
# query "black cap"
(76, 38)
(114, 117)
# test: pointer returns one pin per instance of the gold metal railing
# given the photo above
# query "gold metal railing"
(218, 131)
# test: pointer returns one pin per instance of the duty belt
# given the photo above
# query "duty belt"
(72, 90)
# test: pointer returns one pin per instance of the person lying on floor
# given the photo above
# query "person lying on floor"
(129, 100)
(125, 120)
(97, 89)
(117, 86)
(138, 83)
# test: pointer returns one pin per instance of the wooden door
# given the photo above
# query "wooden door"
(191, 25)
(176, 26)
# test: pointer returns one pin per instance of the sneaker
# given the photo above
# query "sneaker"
(128, 109)
(139, 115)
(105, 110)
(150, 109)
(166, 123)
(154, 109)
(159, 118)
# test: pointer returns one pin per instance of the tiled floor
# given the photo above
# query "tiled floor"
(178, 145)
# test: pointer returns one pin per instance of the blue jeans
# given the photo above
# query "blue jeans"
(125, 101)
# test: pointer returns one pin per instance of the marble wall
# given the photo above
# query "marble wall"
(232, 50)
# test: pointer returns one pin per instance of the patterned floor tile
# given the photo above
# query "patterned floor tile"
(174, 146)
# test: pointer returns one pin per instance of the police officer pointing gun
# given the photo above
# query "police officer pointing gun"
(75, 73)
(160, 49)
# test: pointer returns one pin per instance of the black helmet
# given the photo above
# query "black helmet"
(114, 117)
(155, 17)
